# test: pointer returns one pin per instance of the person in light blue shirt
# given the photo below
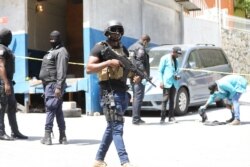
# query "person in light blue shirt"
(229, 87)
(168, 70)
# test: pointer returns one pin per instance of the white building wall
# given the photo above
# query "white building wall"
(201, 31)
(158, 18)
(15, 12)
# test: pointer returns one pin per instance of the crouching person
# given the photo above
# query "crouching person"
(229, 87)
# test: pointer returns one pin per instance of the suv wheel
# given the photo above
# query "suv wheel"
(182, 101)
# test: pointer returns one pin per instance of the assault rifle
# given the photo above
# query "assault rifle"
(126, 63)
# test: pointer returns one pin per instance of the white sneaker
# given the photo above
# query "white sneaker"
(128, 165)
(235, 122)
(99, 163)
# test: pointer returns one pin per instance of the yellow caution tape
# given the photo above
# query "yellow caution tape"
(208, 71)
(185, 69)
(216, 72)
(32, 58)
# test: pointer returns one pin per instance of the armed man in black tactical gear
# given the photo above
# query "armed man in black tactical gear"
(140, 59)
(7, 97)
(53, 75)
(112, 77)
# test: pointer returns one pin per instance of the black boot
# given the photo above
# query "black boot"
(47, 138)
(62, 137)
(18, 135)
(14, 128)
(203, 115)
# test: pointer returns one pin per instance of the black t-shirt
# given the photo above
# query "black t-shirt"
(111, 84)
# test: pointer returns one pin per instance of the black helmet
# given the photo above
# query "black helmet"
(5, 36)
(113, 26)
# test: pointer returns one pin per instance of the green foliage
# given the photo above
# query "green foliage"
(243, 5)
(239, 13)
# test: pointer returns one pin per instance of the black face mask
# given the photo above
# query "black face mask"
(55, 38)
(5, 37)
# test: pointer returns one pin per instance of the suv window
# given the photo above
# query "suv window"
(155, 56)
(194, 60)
(212, 57)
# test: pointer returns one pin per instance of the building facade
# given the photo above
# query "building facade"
(81, 24)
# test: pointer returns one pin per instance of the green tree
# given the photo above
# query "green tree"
(243, 5)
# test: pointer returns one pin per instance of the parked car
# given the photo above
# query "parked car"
(195, 62)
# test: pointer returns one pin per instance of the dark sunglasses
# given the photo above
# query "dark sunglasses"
(116, 29)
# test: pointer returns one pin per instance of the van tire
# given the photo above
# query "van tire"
(182, 102)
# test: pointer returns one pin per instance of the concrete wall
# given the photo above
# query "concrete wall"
(201, 31)
(140, 16)
(161, 19)
(236, 44)
(15, 12)
(11, 9)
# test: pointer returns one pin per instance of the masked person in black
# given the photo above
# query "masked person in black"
(140, 59)
(53, 75)
(7, 97)
(114, 98)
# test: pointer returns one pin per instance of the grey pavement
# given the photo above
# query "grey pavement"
(187, 143)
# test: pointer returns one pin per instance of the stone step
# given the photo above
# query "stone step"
(76, 112)
(69, 105)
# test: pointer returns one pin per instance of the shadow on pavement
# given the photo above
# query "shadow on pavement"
(33, 138)
(84, 141)
(244, 122)
(73, 141)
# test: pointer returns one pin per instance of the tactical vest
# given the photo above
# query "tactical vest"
(112, 72)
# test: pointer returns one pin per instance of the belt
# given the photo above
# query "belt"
(48, 82)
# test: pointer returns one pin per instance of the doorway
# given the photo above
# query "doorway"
(66, 16)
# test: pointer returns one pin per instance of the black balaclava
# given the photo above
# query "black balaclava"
(5, 37)
(55, 38)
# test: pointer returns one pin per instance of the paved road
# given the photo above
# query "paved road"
(188, 143)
